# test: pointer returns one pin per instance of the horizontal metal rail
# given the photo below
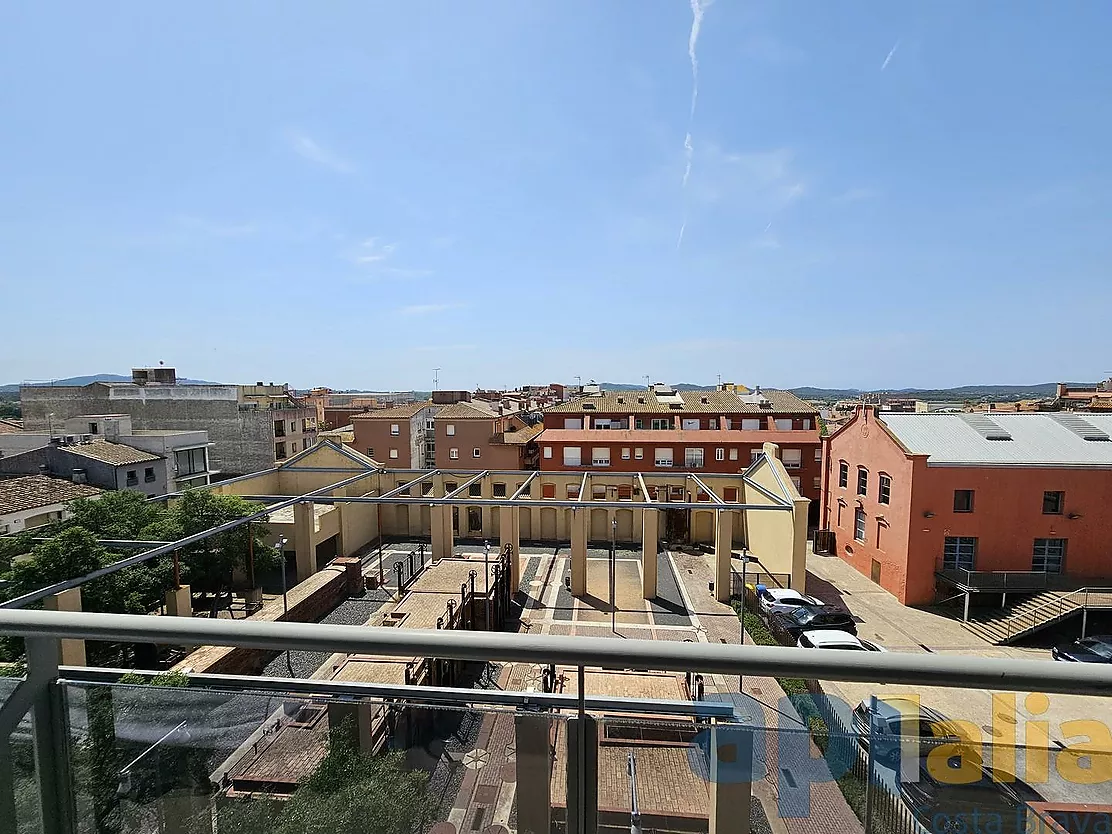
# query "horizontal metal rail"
(415, 694)
(890, 667)
(572, 503)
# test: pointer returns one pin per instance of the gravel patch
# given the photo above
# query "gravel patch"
(668, 608)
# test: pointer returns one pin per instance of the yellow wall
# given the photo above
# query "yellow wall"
(774, 536)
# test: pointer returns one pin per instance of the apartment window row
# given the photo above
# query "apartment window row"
(1053, 501)
(694, 457)
(1047, 555)
(884, 481)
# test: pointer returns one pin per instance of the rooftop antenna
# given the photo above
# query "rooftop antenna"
(646, 381)
(436, 379)
(720, 380)
(579, 379)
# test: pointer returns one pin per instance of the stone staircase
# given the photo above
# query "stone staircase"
(1031, 613)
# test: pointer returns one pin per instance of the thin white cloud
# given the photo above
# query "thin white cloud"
(698, 9)
(888, 60)
(308, 148)
(371, 251)
(426, 309)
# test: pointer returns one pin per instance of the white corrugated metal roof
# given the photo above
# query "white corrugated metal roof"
(1037, 439)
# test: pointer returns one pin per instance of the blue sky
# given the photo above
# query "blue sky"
(353, 194)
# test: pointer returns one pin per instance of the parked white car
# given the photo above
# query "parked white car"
(831, 639)
(773, 600)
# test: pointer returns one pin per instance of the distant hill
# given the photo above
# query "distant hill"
(959, 394)
(679, 386)
(85, 380)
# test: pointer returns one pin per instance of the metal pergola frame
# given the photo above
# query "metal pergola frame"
(399, 496)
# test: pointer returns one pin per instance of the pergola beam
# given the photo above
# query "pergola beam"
(645, 490)
(524, 486)
(714, 495)
(408, 484)
(583, 485)
(465, 485)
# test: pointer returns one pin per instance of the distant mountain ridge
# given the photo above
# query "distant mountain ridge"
(960, 393)
(85, 380)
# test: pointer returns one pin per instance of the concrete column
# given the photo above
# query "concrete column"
(731, 762)
(509, 533)
(179, 602)
(443, 540)
(582, 776)
(800, 506)
(532, 735)
(580, 519)
(303, 523)
(72, 652)
(649, 538)
(487, 487)
(723, 550)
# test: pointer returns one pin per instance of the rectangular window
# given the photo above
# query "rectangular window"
(625, 492)
(793, 458)
(751, 424)
(453, 454)
(449, 487)
(92, 428)
(959, 553)
(573, 491)
(450, 429)
(598, 492)
(818, 482)
(293, 447)
(733, 453)
(393, 454)
(693, 458)
(639, 423)
(859, 524)
(862, 480)
(783, 424)
(879, 527)
(148, 474)
(843, 474)
(638, 453)
(712, 423)
(797, 483)
(729, 494)
(475, 491)
(548, 452)
(190, 462)
(293, 426)
(662, 457)
(548, 490)
(476, 452)
(395, 429)
(600, 456)
(806, 423)
(132, 477)
(625, 453)
(690, 424)
(280, 429)
(719, 454)
(963, 500)
(1049, 555)
(884, 495)
(818, 454)
(840, 513)
(499, 490)
(754, 454)
(661, 423)
(279, 451)
(426, 488)
(1053, 503)
(573, 456)
(573, 423)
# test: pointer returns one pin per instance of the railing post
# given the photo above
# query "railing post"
(582, 774)
(50, 736)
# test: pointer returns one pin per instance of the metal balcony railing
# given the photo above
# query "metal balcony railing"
(209, 754)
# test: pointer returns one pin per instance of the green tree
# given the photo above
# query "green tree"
(118, 515)
(209, 565)
(12, 546)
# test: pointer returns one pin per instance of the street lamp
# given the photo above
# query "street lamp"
(486, 570)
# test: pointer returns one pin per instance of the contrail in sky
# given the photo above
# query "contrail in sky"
(887, 60)
(698, 7)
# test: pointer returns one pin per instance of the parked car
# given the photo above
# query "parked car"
(923, 727)
(786, 626)
(991, 803)
(771, 600)
(837, 640)
(1095, 649)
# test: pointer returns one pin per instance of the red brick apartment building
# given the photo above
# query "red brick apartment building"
(399, 437)
(482, 435)
(661, 429)
(916, 500)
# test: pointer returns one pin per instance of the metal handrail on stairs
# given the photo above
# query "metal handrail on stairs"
(1056, 609)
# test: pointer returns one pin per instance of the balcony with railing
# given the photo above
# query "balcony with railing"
(539, 733)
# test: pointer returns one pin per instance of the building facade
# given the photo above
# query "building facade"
(661, 429)
(251, 427)
(401, 437)
(37, 500)
(914, 498)
(482, 435)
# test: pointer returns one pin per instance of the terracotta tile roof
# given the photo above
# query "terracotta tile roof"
(10, 427)
(717, 402)
(116, 454)
(468, 411)
(403, 411)
(29, 492)
(519, 437)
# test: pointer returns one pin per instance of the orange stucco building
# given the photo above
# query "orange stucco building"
(915, 500)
